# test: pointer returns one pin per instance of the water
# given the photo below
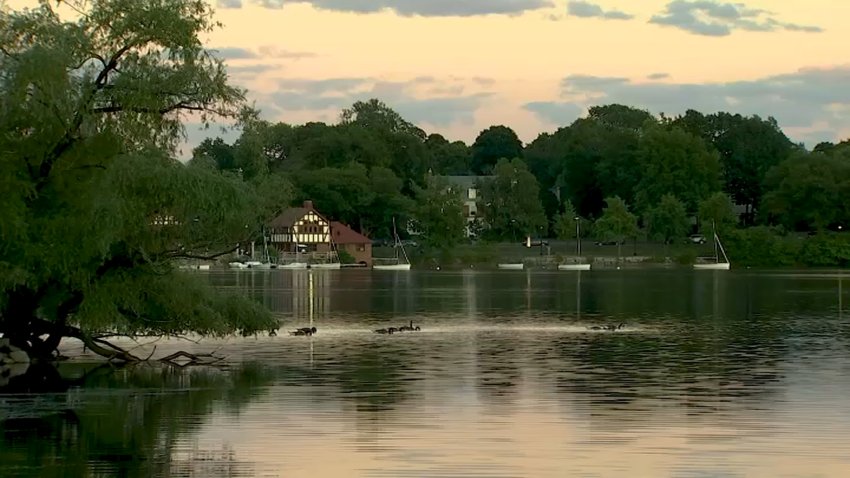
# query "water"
(715, 374)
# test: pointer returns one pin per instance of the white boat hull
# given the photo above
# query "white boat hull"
(293, 265)
(518, 266)
(392, 267)
(326, 265)
(573, 267)
(238, 265)
(720, 266)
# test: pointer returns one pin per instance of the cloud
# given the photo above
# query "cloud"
(591, 10)
(233, 53)
(451, 106)
(251, 69)
(555, 112)
(425, 8)
(797, 100)
(229, 4)
(712, 18)
(271, 51)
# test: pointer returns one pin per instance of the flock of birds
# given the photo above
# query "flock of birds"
(309, 331)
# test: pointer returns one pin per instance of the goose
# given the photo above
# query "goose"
(304, 331)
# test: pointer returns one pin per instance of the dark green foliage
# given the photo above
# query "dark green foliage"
(510, 202)
(493, 144)
(439, 215)
(678, 163)
(95, 210)
(760, 246)
(826, 249)
(668, 220)
(717, 210)
(809, 191)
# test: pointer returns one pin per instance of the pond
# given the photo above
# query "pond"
(715, 373)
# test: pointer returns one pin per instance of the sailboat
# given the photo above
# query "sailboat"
(577, 266)
(717, 265)
(398, 265)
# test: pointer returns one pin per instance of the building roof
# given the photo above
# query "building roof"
(342, 234)
(288, 217)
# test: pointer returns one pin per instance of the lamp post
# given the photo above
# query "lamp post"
(578, 235)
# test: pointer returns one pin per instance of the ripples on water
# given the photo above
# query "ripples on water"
(729, 374)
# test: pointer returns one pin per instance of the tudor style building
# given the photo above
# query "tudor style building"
(300, 229)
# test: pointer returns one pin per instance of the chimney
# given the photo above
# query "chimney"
(308, 204)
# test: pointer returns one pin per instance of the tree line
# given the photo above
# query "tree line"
(653, 174)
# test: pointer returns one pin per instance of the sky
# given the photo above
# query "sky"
(456, 67)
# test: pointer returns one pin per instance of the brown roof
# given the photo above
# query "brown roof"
(288, 217)
(343, 234)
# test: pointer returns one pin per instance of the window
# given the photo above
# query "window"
(471, 193)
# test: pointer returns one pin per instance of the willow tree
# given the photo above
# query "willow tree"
(95, 209)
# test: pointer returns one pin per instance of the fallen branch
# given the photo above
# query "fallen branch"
(193, 359)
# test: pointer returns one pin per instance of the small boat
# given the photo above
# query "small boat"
(511, 265)
(398, 264)
(717, 265)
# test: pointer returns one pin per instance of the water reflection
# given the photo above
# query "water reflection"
(716, 374)
(140, 421)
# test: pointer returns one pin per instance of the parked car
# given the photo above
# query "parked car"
(696, 239)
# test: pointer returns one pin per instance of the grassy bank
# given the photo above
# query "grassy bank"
(753, 247)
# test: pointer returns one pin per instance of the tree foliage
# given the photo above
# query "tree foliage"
(493, 144)
(617, 223)
(95, 211)
(510, 201)
(678, 163)
(565, 222)
(439, 215)
(809, 191)
(717, 209)
(668, 220)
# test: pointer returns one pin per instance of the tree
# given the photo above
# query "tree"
(376, 115)
(668, 220)
(808, 191)
(620, 117)
(748, 147)
(218, 151)
(95, 209)
(717, 209)
(511, 201)
(342, 194)
(616, 223)
(439, 215)
(678, 163)
(448, 159)
(493, 144)
(565, 222)
(388, 203)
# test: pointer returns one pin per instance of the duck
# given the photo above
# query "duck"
(409, 328)
(304, 331)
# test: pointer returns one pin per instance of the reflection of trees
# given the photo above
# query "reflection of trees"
(124, 423)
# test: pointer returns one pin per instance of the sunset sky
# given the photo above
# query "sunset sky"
(458, 66)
